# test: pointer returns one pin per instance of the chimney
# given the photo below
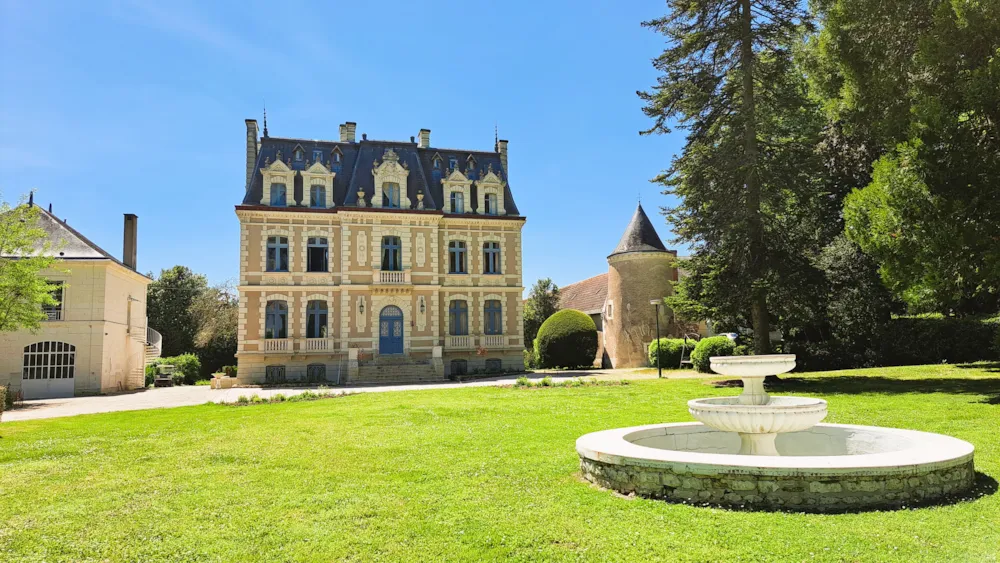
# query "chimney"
(128, 252)
(425, 139)
(251, 147)
(502, 149)
(348, 131)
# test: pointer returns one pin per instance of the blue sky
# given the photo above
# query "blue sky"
(138, 107)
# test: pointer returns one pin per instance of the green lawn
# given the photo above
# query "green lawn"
(465, 474)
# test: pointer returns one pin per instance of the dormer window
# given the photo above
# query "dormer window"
(470, 164)
(437, 164)
(336, 156)
(317, 196)
(452, 162)
(299, 154)
(391, 190)
(278, 197)
(491, 204)
(457, 202)
(317, 156)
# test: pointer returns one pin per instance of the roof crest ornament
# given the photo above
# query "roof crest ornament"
(265, 119)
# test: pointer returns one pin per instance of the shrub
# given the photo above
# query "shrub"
(4, 391)
(566, 339)
(529, 359)
(522, 381)
(935, 339)
(546, 381)
(230, 371)
(708, 347)
(743, 350)
(187, 368)
(669, 350)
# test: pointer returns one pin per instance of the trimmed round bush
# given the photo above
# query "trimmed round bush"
(708, 347)
(669, 349)
(566, 339)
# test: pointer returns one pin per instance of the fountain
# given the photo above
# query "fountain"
(773, 452)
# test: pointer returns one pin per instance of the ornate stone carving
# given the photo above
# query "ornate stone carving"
(421, 314)
(421, 250)
(361, 198)
(363, 248)
(390, 171)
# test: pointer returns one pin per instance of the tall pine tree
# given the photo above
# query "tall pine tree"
(743, 178)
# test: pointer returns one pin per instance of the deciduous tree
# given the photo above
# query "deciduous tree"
(24, 253)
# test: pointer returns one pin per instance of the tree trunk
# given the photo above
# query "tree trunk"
(758, 295)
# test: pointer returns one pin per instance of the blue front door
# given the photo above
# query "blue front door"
(390, 331)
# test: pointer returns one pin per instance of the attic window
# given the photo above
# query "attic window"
(299, 155)
(437, 163)
(470, 163)
(317, 156)
(336, 155)
(452, 162)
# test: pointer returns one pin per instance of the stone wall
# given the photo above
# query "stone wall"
(816, 493)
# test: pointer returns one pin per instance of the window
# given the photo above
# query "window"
(494, 365)
(611, 309)
(456, 257)
(437, 164)
(54, 312)
(299, 155)
(491, 258)
(49, 360)
(277, 254)
(336, 156)
(317, 196)
(459, 367)
(452, 162)
(391, 190)
(276, 320)
(392, 254)
(494, 317)
(274, 374)
(315, 373)
(316, 319)
(457, 202)
(458, 316)
(278, 197)
(491, 204)
(317, 254)
(318, 156)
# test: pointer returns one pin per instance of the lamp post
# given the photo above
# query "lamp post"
(659, 368)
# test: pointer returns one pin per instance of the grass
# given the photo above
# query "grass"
(465, 474)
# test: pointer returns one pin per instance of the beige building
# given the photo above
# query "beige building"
(640, 270)
(376, 261)
(96, 340)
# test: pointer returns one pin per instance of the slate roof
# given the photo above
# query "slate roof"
(640, 236)
(587, 295)
(355, 169)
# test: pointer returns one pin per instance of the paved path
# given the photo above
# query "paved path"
(167, 397)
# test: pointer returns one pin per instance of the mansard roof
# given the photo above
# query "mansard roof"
(640, 236)
(354, 171)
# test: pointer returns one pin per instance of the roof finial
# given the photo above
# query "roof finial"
(31, 198)
(496, 137)
(265, 119)
(50, 208)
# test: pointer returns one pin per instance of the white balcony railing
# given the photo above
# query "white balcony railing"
(392, 276)
(494, 341)
(316, 344)
(464, 341)
(276, 345)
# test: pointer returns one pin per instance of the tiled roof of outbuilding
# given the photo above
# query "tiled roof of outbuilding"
(587, 295)
(354, 171)
(640, 236)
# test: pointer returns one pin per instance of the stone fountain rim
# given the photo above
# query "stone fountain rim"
(928, 450)
(806, 405)
(765, 358)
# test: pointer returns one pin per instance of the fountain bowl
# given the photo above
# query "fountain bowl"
(829, 467)
(753, 366)
(780, 414)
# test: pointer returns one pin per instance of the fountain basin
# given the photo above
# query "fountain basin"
(780, 414)
(752, 366)
(828, 467)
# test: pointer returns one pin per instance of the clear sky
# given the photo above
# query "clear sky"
(137, 107)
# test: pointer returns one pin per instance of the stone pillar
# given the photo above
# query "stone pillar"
(352, 364)
(437, 360)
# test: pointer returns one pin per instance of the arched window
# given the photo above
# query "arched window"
(457, 202)
(491, 258)
(392, 254)
(49, 360)
(456, 257)
(278, 197)
(317, 196)
(494, 317)
(491, 204)
(277, 254)
(316, 316)
(276, 320)
(317, 254)
(458, 317)
(391, 190)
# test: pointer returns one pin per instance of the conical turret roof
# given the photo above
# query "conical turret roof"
(640, 236)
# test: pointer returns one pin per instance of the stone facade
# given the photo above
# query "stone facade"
(355, 222)
(802, 492)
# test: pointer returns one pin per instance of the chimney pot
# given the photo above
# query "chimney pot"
(425, 139)
(364, 136)
(502, 150)
(128, 252)
(252, 147)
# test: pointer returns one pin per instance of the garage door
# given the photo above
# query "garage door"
(49, 370)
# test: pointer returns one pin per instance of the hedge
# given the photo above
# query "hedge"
(187, 368)
(934, 340)
(566, 339)
(669, 349)
(708, 347)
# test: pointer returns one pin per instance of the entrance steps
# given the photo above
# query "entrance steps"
(395, 370)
